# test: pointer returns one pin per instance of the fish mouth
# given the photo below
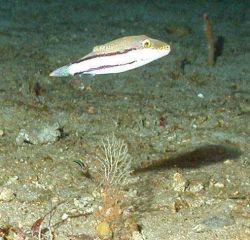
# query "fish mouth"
(165, 47)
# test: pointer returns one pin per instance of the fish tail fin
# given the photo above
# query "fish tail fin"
(61, 72)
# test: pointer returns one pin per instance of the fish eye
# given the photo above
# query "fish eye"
(146, 43)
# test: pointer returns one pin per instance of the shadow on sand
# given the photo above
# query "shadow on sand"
(201, 156)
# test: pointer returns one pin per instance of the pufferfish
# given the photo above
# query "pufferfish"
(120, 55)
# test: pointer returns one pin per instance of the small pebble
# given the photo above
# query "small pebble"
(228, 161)
(177, 177)
(65, 216)
(1, 132)
(219, 185)
(84, 203)
(179, 184)
(179, 204)
(6, 194)
(12, 180)
(55, 200)
(200, 95)
(195, 188)
(200, 228)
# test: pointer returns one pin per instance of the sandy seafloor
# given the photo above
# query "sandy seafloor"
(187, 128)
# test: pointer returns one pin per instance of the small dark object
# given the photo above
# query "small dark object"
(80, 164)
(219, 46)
(84, 168)
(35, 226)
(162, 122)
(208, 31)
(6, 231)
(181, 64)
(38, 89)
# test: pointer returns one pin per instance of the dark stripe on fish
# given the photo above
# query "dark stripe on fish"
(104, 55)
(103, 67)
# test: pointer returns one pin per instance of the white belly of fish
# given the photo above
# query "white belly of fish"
(114, 63)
